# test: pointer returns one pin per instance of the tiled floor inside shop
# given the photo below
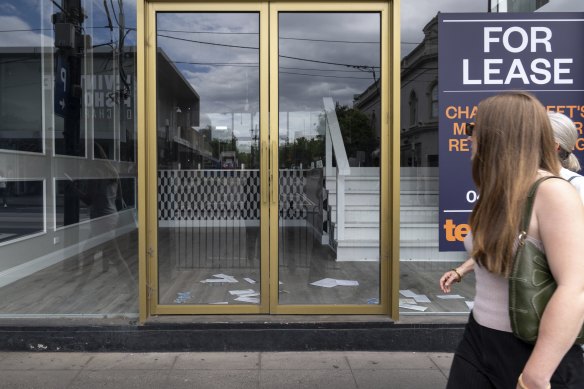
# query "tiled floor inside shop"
(101, 281)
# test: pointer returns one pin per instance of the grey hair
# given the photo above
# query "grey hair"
(566, 135)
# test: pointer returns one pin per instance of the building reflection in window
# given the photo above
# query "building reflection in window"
(67, 93)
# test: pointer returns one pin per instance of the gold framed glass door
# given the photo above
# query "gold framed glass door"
(208, 121)
(265, 130)
(330, 61)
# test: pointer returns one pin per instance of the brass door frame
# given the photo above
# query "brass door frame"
(147, 163)
(382, 7)
(152, 288)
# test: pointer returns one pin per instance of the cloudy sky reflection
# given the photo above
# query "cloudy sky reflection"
(321, 54)
(326, 54)
(218, 54)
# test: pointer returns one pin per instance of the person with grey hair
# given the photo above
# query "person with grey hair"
(566, 136)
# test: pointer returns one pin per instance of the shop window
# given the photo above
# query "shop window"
(21, 126)
(19, 197)
(67, 116)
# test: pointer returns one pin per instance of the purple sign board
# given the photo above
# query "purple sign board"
(482, 54)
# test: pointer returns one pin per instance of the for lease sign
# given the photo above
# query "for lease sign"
(484, 54)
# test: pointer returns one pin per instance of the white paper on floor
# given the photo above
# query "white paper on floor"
(240, 292)
(331, 283)
(246, 296)
(253, 300)
(414, 307)
(407, 293)
(325, 283)
(469, 304)
(347, 283)
(250, 280)
(220, 278)
(421, 298)
(219, 303)
(449, 296)
(407, 301)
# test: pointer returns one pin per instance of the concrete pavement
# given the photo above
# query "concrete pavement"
(240, 370)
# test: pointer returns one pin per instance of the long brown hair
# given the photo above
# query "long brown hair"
(513, 139)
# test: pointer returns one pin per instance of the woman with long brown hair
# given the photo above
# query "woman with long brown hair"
(513, 146)
(566, 137)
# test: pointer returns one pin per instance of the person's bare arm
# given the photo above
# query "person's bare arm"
(455, 275)
(559, 223)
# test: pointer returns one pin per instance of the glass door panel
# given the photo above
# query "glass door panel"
(329, 129)
(208, 158)
(251, 219)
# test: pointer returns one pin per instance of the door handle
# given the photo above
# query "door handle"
(264, 184)
(274, 173)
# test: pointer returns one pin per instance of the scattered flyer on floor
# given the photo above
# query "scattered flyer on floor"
(331, 283)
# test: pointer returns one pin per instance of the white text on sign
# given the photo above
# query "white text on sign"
(496, 71)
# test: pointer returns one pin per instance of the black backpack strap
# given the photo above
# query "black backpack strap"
(571, 178)
(529, 205)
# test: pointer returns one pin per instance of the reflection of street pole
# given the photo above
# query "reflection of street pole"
(69, 43)
(232, 126)
(254, 144)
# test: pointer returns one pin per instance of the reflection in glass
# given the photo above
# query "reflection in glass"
(20, 99)
(20, 79)
(208, 157)
(95, 198)
(329, 157)
(71, 50)
(109, 102)
(21, 208)
(421, 264)
(61, 82)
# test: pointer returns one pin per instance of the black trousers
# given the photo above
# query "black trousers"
(487, 358)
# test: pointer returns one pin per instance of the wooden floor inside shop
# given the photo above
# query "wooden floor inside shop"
(215, 266)
(101, 280)
(206, 267)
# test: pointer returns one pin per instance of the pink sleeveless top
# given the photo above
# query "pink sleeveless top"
(491, 304)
